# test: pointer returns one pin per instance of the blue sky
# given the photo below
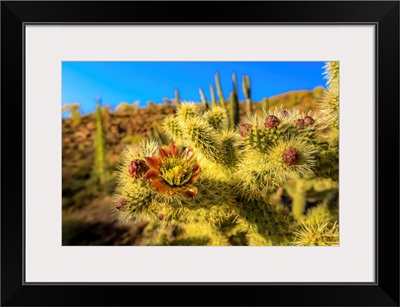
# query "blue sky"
(116, 82)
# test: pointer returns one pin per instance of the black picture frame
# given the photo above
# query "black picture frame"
(383, 14)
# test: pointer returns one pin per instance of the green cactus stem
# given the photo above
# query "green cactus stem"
(203, 99)
(247, 94)
(212, 93)
(233, 110)
(177, 99)
(234, 104)
(100, 147)
(219, 91)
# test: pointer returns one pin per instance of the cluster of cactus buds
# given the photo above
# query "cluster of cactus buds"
(213, 173)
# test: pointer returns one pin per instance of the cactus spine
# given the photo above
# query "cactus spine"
(219, 90)
(247, 94)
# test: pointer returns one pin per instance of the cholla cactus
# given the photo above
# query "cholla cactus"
(272, 178)
(330, 99)
(319, 234)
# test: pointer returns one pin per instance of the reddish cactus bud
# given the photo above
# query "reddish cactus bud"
(291, 156)
(300, 123)
(244, 129)
(137, 168)
(271, 122)
(308, 121)
(160, 216)
(284, 114)
(121, 203)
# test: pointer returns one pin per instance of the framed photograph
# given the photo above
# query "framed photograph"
(244, 153)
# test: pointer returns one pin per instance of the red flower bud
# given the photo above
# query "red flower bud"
(308, 120)
(137, 168)
(271, 122)
(291, 156)
(244, 129)
(300, 123)
(160, 216)
(120, 203)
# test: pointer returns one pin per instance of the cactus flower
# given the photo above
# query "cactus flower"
(172, 172)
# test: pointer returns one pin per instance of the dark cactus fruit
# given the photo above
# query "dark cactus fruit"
(271, 122)
(121, 203)
(160, 216)
(284, 114)
(137, 168)
(244, 129)
(308, 121)
(291, 156)
(300, 123)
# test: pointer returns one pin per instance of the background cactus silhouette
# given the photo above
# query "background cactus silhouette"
(268, 178)
(100, 150)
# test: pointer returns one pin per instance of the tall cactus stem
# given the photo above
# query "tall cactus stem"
(220, 92)
(177, 99)
(233, 110)
(203, 99)
(100, 151)
(247, 94)
(212, 93)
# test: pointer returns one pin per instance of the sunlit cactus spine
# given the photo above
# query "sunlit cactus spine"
(329, 105)
(217, 118)
(318, 234)
(330, 99)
